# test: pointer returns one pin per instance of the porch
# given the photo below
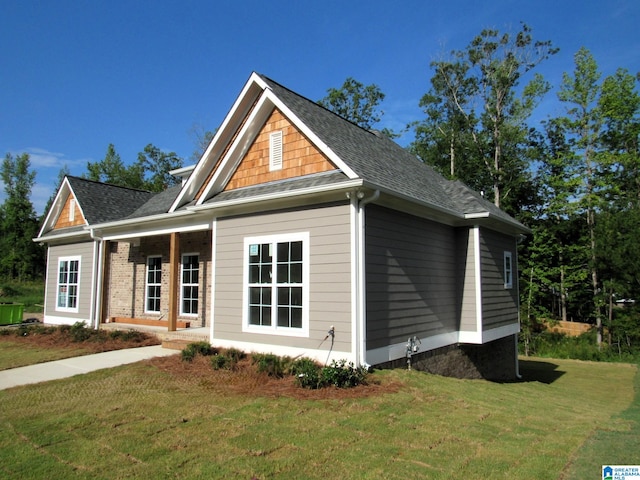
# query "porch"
(175, 340)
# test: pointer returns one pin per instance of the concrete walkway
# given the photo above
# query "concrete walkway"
(68, 367)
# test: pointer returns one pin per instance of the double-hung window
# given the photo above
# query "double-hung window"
(154, 284)
(68, 284)
(508, 270)
(189, 280)
(276, 274)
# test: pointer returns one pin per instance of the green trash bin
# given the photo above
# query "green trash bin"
(11, 313)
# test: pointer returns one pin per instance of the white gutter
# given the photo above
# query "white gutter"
(98, 266)
(361, 275)
(276, 196)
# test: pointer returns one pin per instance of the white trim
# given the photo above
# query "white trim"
(477, 263)
(321, 356)
(398, 350)
(500, 332)
(275, 150)
(277, 196)
(72, 209)
(69, 258)
(163, 231)
(58, 320)
(147, 285)
(354, 234)
(507, 272)
(182, 285)
(273, 329)
(212, 300)
(94, 281)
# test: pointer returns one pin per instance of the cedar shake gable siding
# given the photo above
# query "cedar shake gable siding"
(299, 156)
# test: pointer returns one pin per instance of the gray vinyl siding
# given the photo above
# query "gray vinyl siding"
(499, 304)
(411, 277)
(467, 279)
(329, 274)
(85, 252)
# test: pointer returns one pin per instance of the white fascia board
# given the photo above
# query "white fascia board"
(278, 195)
(139, 220)
(63, 236)
(198, 227)
(473, 216)
(200, 173)
(56, 206)
(239, 148)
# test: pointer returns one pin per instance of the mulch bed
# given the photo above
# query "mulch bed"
(56, 338)
(245, 380)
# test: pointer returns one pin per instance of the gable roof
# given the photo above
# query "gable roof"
(98, 202)
(362, 158)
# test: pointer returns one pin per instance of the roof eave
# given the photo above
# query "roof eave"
(266, 198)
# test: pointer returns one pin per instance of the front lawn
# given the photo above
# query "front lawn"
(149, 421)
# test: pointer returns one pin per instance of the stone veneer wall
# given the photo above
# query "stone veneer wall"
(126, 272)
(492, 361)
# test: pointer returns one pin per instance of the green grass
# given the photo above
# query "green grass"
(614, 443)
(17, 354)
(30, 294)
(138, 422)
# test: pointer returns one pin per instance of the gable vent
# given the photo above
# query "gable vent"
(275, 151)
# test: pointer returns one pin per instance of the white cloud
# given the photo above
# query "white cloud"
(45, 159)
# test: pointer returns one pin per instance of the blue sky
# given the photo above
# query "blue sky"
(78, 75)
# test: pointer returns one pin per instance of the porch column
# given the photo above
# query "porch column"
(174, 280)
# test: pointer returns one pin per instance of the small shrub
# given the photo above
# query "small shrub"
(271, 364)
(196, 348)
(307, 373)
(80, 332)
(343, 375)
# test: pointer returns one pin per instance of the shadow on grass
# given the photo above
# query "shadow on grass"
(539, 371)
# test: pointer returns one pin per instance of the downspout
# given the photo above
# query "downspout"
(98, 264)
(361, 273)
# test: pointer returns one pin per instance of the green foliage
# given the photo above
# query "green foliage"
(21, 258)
(150, 171)
(307, 373)
(584, 347)
(227, 360)
(475, 126)
(80, 332)
(189, 352)
(272, 365)
(343, 375)
(355, 102)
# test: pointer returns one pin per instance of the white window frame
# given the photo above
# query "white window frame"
(275, 150)
(508, 270)
(152, 284)
(189, 285)
(67, 284)
(274, 329)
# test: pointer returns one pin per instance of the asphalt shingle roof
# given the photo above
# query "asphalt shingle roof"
(376, 159)
(102, 202)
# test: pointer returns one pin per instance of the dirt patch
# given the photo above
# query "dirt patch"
(245, 380)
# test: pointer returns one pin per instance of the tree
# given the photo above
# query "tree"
(583, 124)
(155, 165)
(111, 169)
(355, 102)
(21, 258)
(150, 171)
(483, 121)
